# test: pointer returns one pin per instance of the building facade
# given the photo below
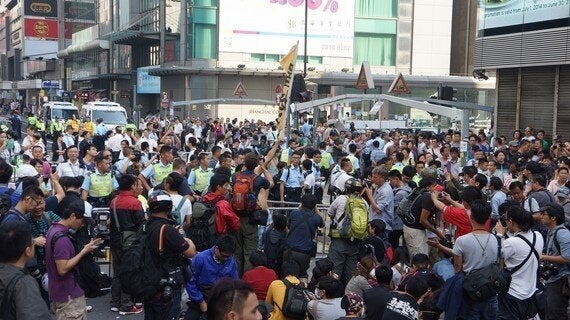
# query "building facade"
(526, 43)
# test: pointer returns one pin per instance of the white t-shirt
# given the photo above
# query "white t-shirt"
(186, 209)
(309, 182)
(514, 251)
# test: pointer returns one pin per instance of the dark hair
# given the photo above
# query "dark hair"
(67, 182)
(383, 274)
(378, 225)
(258, 259)
(6, 171)
(226, 244)
(251, 161)
(309, 201)
(33, 192)
(174, 181)
(165, 149)
(28, 182)
(496, 183)
(395, 174)
(427, 181)
(307, 164)
(279, 221)
(520, 216)
(99, 158)
(332, 287)
(480, 211)
(469, 171)
(540, 179)
(15, 237)
(401, 255)
(218, 180)
(516, 184)
(556, 211)
(481, 179)
(409, 171)
(321, 269)
(70, 205)
(126, 182)
(417, 287)
(290, 268)
(420, 260)
(227, 295)
(470, 194)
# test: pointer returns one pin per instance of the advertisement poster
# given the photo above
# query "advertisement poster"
(147, 84)
(40, 28)
(279, 23)
(505, 13)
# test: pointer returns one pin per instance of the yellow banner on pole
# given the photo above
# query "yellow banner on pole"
(288, 65)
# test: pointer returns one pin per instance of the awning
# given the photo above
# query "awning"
(183, 70)
(106, 76)
(137, 37)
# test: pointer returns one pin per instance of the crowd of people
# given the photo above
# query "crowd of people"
(225, 217)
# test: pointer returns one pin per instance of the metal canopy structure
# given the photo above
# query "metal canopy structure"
(456, 111)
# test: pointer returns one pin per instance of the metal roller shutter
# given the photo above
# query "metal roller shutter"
(507, 101)
(563, 120)
(537, 98)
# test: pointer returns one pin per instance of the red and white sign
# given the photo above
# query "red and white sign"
(40, 28)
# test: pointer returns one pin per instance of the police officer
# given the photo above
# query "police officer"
(158, 171)
(292, 181)
(56, 126)
(100, 132)
(199, 178)
(98, 185)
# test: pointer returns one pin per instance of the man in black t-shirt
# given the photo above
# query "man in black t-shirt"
(423, 211)
(404, 305)
(172, 260)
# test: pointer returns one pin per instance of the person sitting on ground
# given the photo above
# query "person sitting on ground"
(323, 267)
(327, 305)
(362, 279)
(260, 277)
(276, 292)
(374, 298)
(352, 305)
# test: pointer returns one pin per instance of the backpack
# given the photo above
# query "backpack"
(8, 299)
(354, 220)
(274, 248)
(243, 198)
(176, 211)
(5, 202)
(89, 276)
(404, 209)
(139, 273)
(294, 304)
(202, 227)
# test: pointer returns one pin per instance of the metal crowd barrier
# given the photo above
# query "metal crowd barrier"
(322, 240)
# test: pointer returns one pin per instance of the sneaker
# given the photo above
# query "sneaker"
(132, 310)
(114, 309)
(89, 308)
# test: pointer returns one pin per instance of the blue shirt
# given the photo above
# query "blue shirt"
(301, 233)
(101, 129)
(293, 177)
(444, 268)
(205, 272)
(384, 197)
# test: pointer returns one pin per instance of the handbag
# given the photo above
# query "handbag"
(481, 284)
(127, 237)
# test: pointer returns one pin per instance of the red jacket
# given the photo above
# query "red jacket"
(226, 218)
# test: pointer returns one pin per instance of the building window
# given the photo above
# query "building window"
(205, 41)
(378, 49)
(376, 8)
(311, 60)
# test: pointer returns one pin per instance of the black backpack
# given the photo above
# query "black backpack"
(404, 209)
(5, 202)
(89, 277)
(202, 227)
(273, 249)
(295, 302)
(140, 273)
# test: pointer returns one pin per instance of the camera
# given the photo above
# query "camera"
(548, 269)
(137, 156)
(166, 285)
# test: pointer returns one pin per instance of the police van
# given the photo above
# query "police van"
(62, 111)
(112, 113)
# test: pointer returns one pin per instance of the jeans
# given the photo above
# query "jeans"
(556, 303)
(485, 310)
(344, 255)
(247, 240)
(511, 308)
(159, 310)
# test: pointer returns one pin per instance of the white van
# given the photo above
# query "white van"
(112, 113)
(57, 109)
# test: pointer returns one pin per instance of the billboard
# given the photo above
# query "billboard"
(147, 84)
(40, 28)
(79, 10)
(40, 48)
(40, 8)
(279, 24)
(509, 16)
